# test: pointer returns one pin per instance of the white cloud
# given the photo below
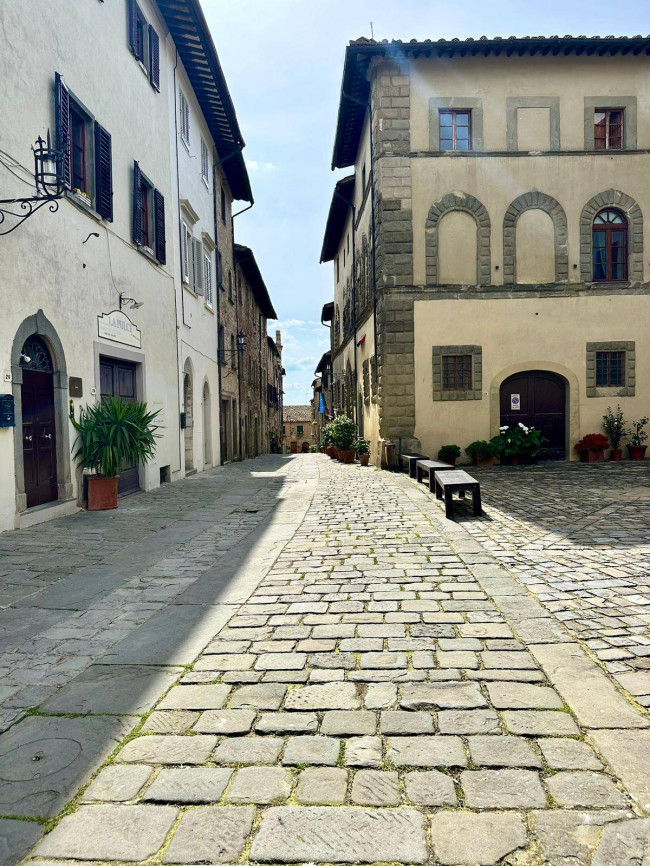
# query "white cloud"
(254, 165)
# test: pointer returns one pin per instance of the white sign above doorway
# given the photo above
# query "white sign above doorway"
(118, 328)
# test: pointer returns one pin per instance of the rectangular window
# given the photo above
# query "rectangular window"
(186, 251)
(223, 205)
(610, 369)
(185, 119)
(140, 41)
(144, 43)
(299, 429)
(220, 271)
(205, 164)
(146, 210)
(456, 372)
(230, 297)
(207, 280)
(455, 129)
(233, 353)
(78, 155)
(608, 128)
(221, 347)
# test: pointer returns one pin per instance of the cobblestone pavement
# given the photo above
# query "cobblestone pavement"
(380, 689)
(579, 538)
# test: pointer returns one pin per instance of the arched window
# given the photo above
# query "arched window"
(609, 246)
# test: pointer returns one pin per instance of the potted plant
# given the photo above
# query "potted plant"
(592, 447)
(109, 434)
(345, 432)
(518, 444)
(449, 454)
(637, 438)
(614, 426)
(362, 450)
(481, 452)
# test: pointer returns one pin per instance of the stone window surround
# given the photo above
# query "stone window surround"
(627, 390)
(476, 392)
(535, 200)
(625, 203)
(463, 103)
(628, 103)
(464, 202)
(515, 102)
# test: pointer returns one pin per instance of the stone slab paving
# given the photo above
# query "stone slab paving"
(373, 700)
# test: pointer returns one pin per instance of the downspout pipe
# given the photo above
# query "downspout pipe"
(180, 265)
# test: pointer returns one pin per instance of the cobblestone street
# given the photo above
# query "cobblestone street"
(304, 662)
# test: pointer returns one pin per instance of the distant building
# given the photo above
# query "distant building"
(274, 392)
(297, 431)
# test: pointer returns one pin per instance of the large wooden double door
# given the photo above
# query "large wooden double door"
(537, 399)
(118, 379)
(39, 437)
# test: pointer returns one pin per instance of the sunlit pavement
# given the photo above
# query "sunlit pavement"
(310, 664)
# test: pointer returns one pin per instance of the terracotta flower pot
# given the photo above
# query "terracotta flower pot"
(617, 455)
(347, 456)
(102, 493)
(595, 455)
(514, 461)
(364, 459)
(488, 462)
(637, 452)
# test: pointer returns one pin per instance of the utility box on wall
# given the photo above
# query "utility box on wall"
(7, 413)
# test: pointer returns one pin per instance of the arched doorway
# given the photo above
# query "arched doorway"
(38, 422)
(188, 408)
(207, 426)
(537, 398)
(305, 447)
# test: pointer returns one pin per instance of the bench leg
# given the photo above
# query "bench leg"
(419, 474)
(432, 482)
(476, 501)
(438, 489)
(449, 504)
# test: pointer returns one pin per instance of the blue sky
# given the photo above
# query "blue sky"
(283, 60)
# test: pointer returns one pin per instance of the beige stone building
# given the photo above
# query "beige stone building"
(489, 246)
(297, 430)
(274, 392)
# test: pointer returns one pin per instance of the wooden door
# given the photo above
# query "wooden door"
(541, 397)
(118, 379)
(39, 437)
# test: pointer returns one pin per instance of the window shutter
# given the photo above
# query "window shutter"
(159, 218)
(137, 204)
(63, 129)
(185, 254)
(154, 58)
(132, 11)
(198, 267)
(103, 173)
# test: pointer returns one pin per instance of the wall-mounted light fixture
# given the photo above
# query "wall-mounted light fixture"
(49, 187)
(129, 302)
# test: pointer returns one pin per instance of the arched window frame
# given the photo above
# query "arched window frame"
(617, 200)
(607, 222)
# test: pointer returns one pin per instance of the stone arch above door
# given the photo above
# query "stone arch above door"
(40, 325)
(535, 200)
(464, 202)
(632, 211)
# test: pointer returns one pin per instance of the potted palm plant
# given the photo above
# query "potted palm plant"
(614, 427)
(362, 450)
(449, 454)
(110, 434)
(637, 438)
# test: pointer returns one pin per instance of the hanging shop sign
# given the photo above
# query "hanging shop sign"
(117, 326)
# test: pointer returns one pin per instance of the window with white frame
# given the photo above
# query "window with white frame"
(186, 252)
(185, 118)
(205, 163)
(207, 280)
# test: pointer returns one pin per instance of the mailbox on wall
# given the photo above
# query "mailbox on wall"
(7, 413)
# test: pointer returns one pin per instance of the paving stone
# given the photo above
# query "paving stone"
(430, 696)
(635, 683)
(225, 662)
(17, 838)
(225, 722)
(502, 789)
(322, 785)
(375, 788)
(211, 834)
(521, 696)
(363, 752)
(188, 785)
(506, 751)
(569, 838)
(248, 750)
(340, 835)
(311, 750)
(170, 721)
(264, 696)
(430, 788)
(330, 696)
(628, 754)
(379, 696)
(426, 751)
(562, 754)
(475, 840)
(464, 660)
(287, 723)
(281, 661)
(348, 722)
(468, 722)
(580, 789)
(195, 698)
(398, 722)
(383, 660)
(342, 661)
(511, 660)
(167, 749)
(117, 783)
(262, 785)
(540, 723)
(107, 832)
(624, 844)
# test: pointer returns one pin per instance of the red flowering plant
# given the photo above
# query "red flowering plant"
(592, 442)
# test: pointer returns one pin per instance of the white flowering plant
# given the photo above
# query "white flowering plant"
(517, 440)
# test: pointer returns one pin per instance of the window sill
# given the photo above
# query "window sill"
(186, 144)
(205, 183)
(83, 204)
(148, 253)
(209, 308)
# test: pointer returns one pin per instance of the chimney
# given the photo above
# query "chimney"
(278, 341)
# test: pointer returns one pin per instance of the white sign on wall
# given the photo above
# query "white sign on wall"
(117, 326)
(515, 402)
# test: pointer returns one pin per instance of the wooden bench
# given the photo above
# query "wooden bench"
(409, 461)
(457, 481)
(428, 467)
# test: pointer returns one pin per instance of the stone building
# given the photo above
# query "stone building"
(297, 431)
(488, 247)
(274, 392)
